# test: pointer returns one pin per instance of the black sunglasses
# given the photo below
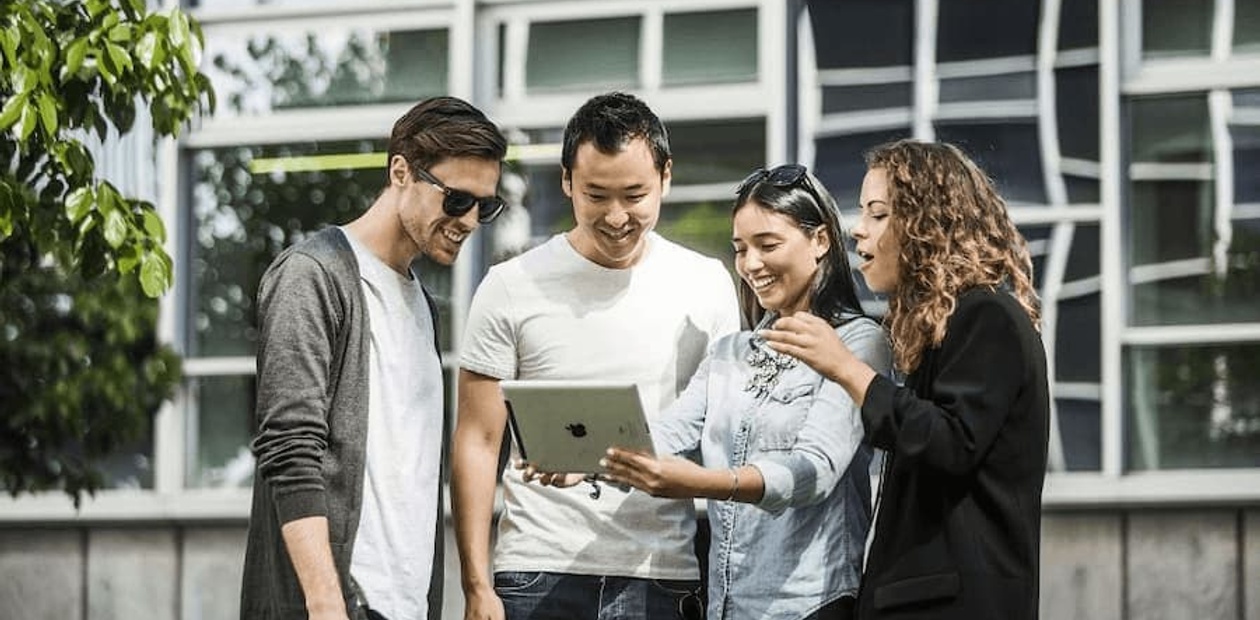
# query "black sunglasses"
(786, 175)
(458, 202)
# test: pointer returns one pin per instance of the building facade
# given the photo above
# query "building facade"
(1125, 135)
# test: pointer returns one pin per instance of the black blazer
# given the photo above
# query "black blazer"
(958, 529)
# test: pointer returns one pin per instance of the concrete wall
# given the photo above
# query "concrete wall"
(1149, 564)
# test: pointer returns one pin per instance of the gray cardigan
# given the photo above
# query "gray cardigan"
(312, 402)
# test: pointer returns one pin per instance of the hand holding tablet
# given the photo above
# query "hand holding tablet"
(567, 426)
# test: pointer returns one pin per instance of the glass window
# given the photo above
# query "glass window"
(1170, 220)
(1009, 151)
(1078, 24)
(256, 73)
(583, 55)
(717, 152)
(1082, 190)
(1246, 26)
(235, 4)
(989, 29)
(839, 163)
(897, 95)
(1077, 356)
(1076, 109)
(862, 33)
(1193, 406)
(702, 226)
(1170, 129)
(712, 47)
(989, 87)
(1038, 238)
(1082, 260)
(1079, 428)
(1176, 27)
(221, 423)
(1246, 163)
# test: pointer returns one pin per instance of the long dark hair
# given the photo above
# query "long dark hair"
(832, 296)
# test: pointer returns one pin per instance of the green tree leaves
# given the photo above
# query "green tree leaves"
(81, 265)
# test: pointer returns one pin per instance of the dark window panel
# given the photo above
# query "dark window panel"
(1083, 257)
(583, 54)
(1080, 428)
(973, 29)
(1078, 24)
(1076, 110)
(718, 151)
(1170, 129)
(1246, 164)
(1077, 356)
(710, 47)
(1170, 220)
(1081, 190)
(1038, 237)
(1009, 151)
(837, 99)
(1176, 28)
(1246, 26)
(862, 33)
(839, 162)
(989, 87)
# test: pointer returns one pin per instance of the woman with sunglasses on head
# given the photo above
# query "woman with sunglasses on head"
(959, 511)
(782, 460)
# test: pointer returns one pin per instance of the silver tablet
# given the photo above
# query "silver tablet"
(566, 426)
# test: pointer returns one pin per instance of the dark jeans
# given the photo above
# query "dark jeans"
(560, 596)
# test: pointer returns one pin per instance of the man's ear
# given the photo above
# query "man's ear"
(566, 181)
(667, 175)
(399, 169)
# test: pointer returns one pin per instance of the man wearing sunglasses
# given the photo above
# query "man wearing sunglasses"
(347, 512)
(608, 300)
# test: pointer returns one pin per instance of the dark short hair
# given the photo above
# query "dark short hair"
(445, 127)
(611, 120)
(833, 294)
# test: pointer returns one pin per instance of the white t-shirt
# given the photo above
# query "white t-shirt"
(393, 550)
(552, 314)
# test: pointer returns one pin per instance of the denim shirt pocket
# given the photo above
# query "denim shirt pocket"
(782, 415)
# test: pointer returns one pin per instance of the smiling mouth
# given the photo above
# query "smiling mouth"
(762, 282)
(453, 236)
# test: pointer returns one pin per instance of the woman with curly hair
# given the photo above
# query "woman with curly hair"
(958, 520)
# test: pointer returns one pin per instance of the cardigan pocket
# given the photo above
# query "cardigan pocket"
(918, 590)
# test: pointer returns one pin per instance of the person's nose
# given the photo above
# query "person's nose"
(617, 216)
(858, 231)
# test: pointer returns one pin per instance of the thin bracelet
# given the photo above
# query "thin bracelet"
(734, 483)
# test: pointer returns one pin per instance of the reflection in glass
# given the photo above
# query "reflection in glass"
(897, 95)
(1010, 152)
(966, 31)
(1171, 129)
(1078, 24)
(1216, 294)
(1080, 429)
(220, 416)
(711, 47)
(1082, 191)
(1077, 356)
(716, 152)
(256, 73)
(1076, 110)
(582, 55)
(1180, 28)
(1082, 260)
(1193, 407)
(843, 33)
(1038, 238)
(989, 87)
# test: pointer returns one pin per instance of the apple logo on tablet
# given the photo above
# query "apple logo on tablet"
(578, 429)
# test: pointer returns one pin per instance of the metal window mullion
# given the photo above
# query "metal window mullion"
(771, 55)
(1111, 239)
(515, 56)
(1219, 104)
(809, 97)
(925, 87)
(1048, 123)
(652, 50)
(169, 449)
(461, 46)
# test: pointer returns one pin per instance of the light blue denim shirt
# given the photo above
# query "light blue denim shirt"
(801, 546)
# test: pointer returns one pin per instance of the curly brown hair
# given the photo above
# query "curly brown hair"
(955, 234)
